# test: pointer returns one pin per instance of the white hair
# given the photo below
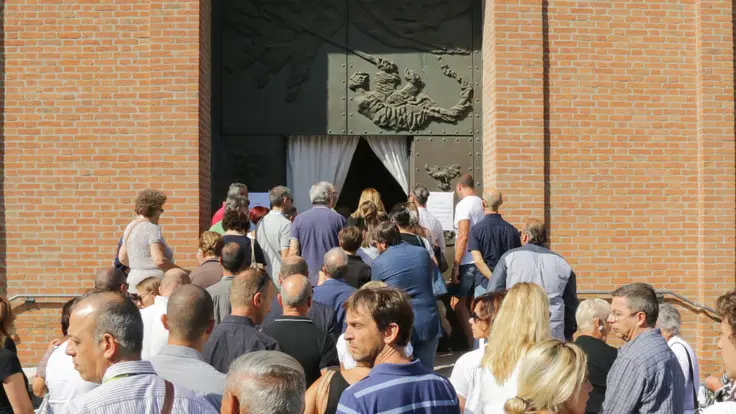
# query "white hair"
(321, 192)
(267, 382)
(589, 310)
(235, 189)
(669, 319)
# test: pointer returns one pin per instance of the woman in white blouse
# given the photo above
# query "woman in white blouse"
(521, 323)
(669, 323)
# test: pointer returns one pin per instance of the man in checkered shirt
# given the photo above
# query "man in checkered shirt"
(646, 377)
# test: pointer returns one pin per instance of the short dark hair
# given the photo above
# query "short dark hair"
(726, 307)
(232, 257)
(189, 312)
(66, 313)
(351, 237)
(536, 230)
(421, 194)
(236, 220)
(401, 215)
(277, 195)
(386, 232)
(385, 306)
(110, 278)
(466, 180)
(294, 265)
(149, 202)
(641, 298)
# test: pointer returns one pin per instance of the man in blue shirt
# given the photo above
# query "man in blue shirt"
(379, 327)
(315, 231)
(490, 239)
(332, 290)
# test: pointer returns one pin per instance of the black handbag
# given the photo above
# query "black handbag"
(441, 260)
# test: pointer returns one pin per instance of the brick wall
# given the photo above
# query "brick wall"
(100, 100)
(614, 122)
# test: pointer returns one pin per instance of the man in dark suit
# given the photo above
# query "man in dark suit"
(324, 317)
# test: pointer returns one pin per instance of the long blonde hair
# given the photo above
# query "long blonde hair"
(551, 374)
(369, 194)
(521, 323)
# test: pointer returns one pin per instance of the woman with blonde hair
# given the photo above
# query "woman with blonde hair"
(147, 291)
(521, 322)
(553, 378)
(372, 195)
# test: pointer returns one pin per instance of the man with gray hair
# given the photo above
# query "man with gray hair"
(296, 333)
(235, 190)
(155, 334)
(646, 376)
(489, 239)
(332, 290)
(535, 263)
(668, 323)
(264, 382)
(106, 336)
(236, 203)
(315, 231)
(273, 232)
(419, 196)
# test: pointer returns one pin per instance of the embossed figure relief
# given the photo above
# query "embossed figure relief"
(443, 175)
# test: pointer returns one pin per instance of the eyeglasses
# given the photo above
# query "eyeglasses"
(138, 298)
(475, 318)
(617, 316)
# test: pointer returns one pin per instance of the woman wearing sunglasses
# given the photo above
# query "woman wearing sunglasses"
(484, 309)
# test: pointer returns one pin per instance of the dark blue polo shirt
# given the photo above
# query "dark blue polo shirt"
(233, 337)
(492, 237)
(400, 388)
(334, 293)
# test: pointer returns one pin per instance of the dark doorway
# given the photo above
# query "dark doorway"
(367, 171)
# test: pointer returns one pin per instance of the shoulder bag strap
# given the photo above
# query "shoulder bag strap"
(692, 379)
(253, 252)
(168, 398)
(127, 236)
(323, 392)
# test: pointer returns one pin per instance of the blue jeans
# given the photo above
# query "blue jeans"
(468, 273)
(426, 351)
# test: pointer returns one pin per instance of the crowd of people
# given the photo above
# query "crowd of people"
(312, 312)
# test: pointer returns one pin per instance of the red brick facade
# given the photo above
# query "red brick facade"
(613, 121)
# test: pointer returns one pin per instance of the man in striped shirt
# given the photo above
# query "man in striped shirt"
(379, 324)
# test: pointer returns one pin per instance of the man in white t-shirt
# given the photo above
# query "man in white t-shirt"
(274, 231)
(155, 335)
(468, 212)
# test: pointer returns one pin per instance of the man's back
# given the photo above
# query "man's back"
(233, 337)
(646, 378)
(409, 268)
(316, 230)
(394, 387)
(155, 336)
(536, 264)
(185, 367)
(359, 273)
(334, 293)
(299, 337)
(272, 234)
(134, 387)
(207, 274)
(492, 237)
(220, 293)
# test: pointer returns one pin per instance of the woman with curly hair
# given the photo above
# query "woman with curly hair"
(236, 224)
(144, 249)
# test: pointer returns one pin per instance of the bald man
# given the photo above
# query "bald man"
(106, 336)
(111, 278)
(155, 335)
(189, 321)
(296, 333)
(490, 239)
(535, 263)
(323, 316)
(333, 291)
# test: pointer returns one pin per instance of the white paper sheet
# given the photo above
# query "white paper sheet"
(441, 205)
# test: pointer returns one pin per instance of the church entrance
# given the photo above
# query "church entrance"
(367, 171)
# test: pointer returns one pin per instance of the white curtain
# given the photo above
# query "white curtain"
(393, 153)
(311, 159)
